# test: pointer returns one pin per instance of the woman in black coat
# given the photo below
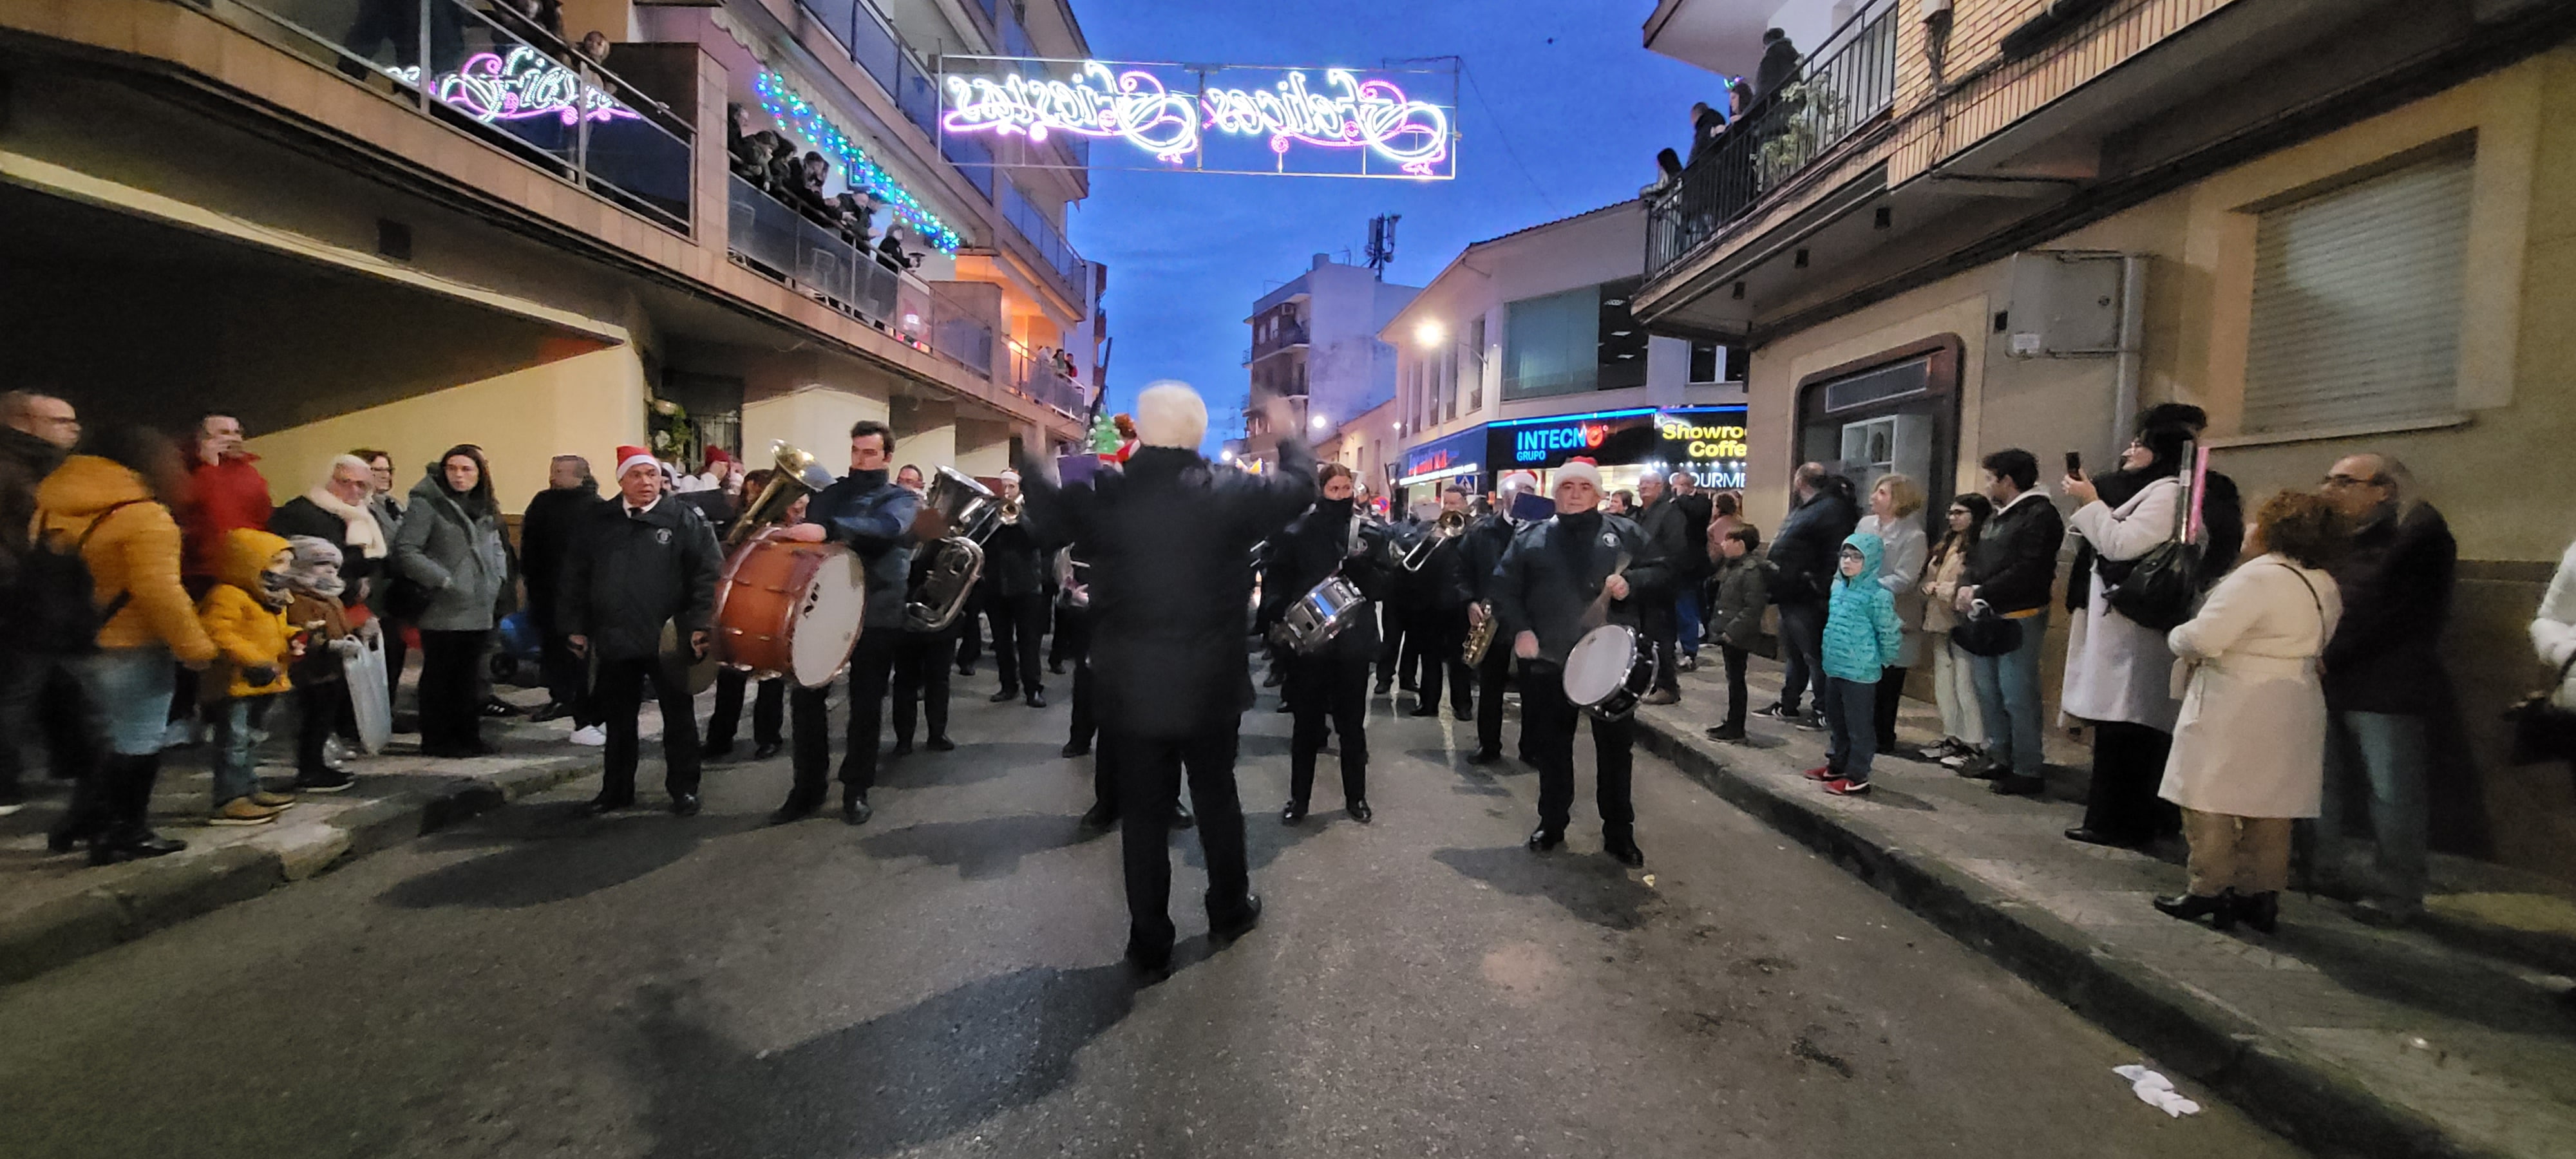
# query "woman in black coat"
(1330, 682)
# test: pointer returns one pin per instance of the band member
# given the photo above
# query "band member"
(1169, 541)
(637, 564)
(1441, 620)
(1480, 553)
(1014, 592)
(867, 513)
(1331, 682)
(1073, 614)
(921, 662)
(1560, 572)
(769, 704)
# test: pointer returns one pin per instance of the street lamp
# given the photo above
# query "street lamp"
(1316, 422)
(1429, 334)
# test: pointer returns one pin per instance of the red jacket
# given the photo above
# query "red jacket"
(223, 497)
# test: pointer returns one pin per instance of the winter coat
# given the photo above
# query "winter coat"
(1667, 533)
(1695, 564)
(1316, 546)
(1547, 589)
(1802, 555)
(251, 635)
(1904, 549)
(25, 460)
(1740, 600)
(1014, 566)
(324, 621)
(2014, 564)
(222, 496)
(1480, 553)
(2251, 739)
(553, 519)
(457, 556)
(1940, 586)
(2396, 580)
(302, 516)
(1863, 635)
(1169, 541)
(868, 514)
(2553, 630)
(1443, 576)
(625, 576)
(133, 552)
(2119, 669)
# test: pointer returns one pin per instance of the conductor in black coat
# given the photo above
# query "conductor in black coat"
(1556, 572)
(635, 565)
(1329, 683)
(1169, 541)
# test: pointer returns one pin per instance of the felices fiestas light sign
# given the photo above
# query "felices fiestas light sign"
(1330, 122)
(523, 84)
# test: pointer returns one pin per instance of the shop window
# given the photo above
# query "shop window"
(2357, 300)
(1712, 362)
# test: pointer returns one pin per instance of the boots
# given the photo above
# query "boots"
(89, 812)
(127, 835)
(2261, 910)
(2220, 910)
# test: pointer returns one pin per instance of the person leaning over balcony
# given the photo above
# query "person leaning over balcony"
(1780, 61)
(450, 545)
(2383, 677)
(2249, 748)
(2118, 672)
(2011, 570)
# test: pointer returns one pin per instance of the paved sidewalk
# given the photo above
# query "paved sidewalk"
(56, 908)
(2350, 1039)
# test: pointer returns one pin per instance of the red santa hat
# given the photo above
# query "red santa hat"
(629, 458)
(1579, 468)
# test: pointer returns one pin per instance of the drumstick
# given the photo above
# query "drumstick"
(1599, 613)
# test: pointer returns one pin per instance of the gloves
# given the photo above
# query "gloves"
(259, 675)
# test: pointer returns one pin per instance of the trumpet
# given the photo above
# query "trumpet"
(1450, 525)
(1010, 512)
(797, 475)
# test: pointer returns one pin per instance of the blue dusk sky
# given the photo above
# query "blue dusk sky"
(1561, 111)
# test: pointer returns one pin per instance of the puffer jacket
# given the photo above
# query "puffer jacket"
(457, 556)
(867, 513)
(251, 634)
(1863, 635)
(133, 553)
(1742, 593)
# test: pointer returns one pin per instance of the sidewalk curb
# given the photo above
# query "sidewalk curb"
(168, 891)
(2316, 1103)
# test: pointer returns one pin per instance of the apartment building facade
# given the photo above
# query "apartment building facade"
(413, 223)
(1316, 361)
(2335, 226)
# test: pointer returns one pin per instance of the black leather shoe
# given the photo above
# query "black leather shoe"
(1074, 748)
(684, 805)
(1624, 851)
(1036, 699)
(965, 669)
(1005, 696)
(1099, 818)
(796, 809)
(1224, 933)
(715, 750)
(855, 809)
(1292, 813)
(939, 743)
(2011, 785)
(1462, 712)
(1359, 811)
(903, 746)
(606, 804)
(550, 711)
(1484, 756)
(2261, 911)
(2220, 910)
(765, 750)
(1149, 968)
(1181, 816)
(1055, 667)
(1979, 768)
(1545, 840)
(1383, 689)
(2097, 837)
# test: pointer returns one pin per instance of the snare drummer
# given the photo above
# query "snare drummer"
(868, 513)
(1335, 537)
(636, 563)
(1556, 571)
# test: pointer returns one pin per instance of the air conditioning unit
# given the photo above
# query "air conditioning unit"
(2065, 304)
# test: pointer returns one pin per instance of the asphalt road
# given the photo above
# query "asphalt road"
(946, 981)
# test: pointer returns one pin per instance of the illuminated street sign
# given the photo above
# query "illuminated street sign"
(524, 85)
(1307, 122)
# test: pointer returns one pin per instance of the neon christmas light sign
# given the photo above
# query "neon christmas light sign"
(1332, 122)
(523, 85)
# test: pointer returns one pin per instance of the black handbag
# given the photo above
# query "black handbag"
(2160, 587)
(2542, 731)
(1982, 632)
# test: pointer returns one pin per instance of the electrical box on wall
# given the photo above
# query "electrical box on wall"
(2065, 304)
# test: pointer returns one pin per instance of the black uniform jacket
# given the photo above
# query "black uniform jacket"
(1013, 562)
(546, 533)
(625, 576)
(1312, 549)
(1480, 553)
(1668, 541)
(1169, 539)
(871, 516)
(1546, 585)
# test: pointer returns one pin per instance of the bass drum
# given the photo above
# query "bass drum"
(1610, 670)
(790, 609)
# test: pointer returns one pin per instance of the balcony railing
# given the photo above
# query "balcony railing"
(945, 326)
(1071, 272)
(1848, 83)
(787, 244)
(1290, 334)
(1033, 380)
(569, 116)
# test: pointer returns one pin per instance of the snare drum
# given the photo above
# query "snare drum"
(1610, 670)
(790, 609)
(1321, 614)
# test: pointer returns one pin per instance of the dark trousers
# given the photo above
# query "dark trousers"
(1443, 632)
(397, 654)
(1104, 773)
(1802, 651)
(41, 710)
(1549, 718)
(1736, 694)
(1393, 623)
(768, 708)
(1661, 623)
(2128, 765)
(1491, 677)
(970, 633)
(1073, 633)
(808, 712)
(921, 674)
(618, 691)
(564, 674)
(1018, 621)
(451, 705)
(1851, 742)
(1329, 688)
(1149, 773)
(1069, 640)
(1891, 689)
(322, 708)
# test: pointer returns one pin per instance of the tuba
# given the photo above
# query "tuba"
(796, 475)
(969, 511)
(1450, 525)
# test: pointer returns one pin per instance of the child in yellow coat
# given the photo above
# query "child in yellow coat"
(245, 615)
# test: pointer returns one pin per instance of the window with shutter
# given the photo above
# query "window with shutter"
(2356, 315)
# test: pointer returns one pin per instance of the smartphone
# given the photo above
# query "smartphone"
(2075, 462)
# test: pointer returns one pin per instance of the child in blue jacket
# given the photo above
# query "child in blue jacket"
(1862, 635)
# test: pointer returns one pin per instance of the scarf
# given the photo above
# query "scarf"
(365, 537)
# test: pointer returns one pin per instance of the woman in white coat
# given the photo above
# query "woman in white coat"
(1894, 503)
(2118, 676)
(2249, 753)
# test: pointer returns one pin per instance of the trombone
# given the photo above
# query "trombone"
(1450, 525)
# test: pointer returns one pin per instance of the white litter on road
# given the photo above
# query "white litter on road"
(2156, 1091)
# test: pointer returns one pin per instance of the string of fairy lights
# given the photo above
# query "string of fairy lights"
(858, 169)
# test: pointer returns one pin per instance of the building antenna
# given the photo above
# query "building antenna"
(1381, 243)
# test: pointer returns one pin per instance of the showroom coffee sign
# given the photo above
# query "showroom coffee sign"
(1308, 122)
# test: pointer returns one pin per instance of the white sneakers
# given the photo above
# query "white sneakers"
(591, 735)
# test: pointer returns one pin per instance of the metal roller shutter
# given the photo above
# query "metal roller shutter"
(2357, 294)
